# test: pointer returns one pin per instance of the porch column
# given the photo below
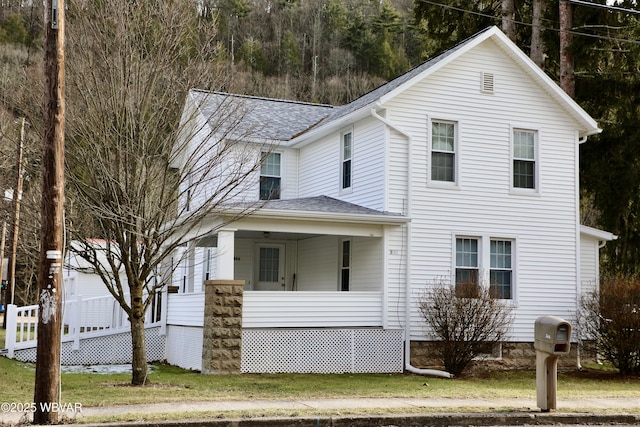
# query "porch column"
(222, 331)
(224, 258)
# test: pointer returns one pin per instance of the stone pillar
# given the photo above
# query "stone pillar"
(222, 332)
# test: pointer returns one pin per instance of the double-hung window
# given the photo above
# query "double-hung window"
(345, 265)
(346, 154)
(467, 266)
(443, 151)
(472, 264)
(270, 176)
(501, 270)
(524, 159)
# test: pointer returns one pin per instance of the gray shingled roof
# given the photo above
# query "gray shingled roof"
(322, 204)
(260, 118)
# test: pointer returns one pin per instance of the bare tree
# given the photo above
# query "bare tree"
(466, 321)
(131, 185)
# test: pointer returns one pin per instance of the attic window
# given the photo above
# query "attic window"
(487, 82)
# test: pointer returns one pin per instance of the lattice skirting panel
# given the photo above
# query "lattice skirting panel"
(322, 351)
(105, 350)
(184, 347)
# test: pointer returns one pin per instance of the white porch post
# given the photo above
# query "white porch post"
(12, 327)
(224, 258)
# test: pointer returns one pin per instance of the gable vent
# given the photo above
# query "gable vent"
(487, 82)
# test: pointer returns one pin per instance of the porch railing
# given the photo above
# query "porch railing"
(277, 309)
(264, 309)
(81, 318)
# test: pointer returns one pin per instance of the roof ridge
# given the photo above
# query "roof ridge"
(262, 98)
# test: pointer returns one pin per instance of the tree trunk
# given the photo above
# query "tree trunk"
(537, 46)
(138, 341)
(509, 18)
(567, 80)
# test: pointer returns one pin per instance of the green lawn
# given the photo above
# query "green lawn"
(170, 384)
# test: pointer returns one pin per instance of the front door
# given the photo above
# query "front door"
(270, 268)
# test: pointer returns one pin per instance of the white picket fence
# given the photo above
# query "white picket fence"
(82, 318)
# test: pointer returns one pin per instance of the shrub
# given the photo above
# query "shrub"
(464, 324)
(611, 316)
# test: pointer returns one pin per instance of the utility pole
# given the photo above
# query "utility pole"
(567, 78)
(47, 384)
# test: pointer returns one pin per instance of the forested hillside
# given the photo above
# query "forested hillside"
(332, 51)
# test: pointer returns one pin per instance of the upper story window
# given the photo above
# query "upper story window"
(443, 151)
(525, 164)
(270, 176)
(346, 153)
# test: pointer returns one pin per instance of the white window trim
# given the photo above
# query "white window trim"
(484, 260)
(456, 153)
(536, 153)
(454, 255)
(341, 267)
(346, 190)
(281, 153)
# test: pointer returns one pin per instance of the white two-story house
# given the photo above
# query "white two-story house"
(464, 168)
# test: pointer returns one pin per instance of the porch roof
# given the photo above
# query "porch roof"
(302, 218)
(326, 208)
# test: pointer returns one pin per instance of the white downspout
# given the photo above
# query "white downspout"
(407, 329)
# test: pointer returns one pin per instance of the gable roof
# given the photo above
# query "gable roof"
(296, 123)
(362, 106)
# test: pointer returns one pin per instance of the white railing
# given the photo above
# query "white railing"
(81, 318)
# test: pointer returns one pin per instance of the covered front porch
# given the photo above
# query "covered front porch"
(316, 286)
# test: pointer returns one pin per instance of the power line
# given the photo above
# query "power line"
(603, 6)
(528, 24)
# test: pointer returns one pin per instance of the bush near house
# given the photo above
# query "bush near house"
(611, 316)
(465, 324)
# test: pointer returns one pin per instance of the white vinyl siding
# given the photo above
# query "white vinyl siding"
(484, 202)
(589, 259)
(320, 175)
(318, 265)
(186, 309)
(309, 309)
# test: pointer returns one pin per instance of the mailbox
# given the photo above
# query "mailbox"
(552, 339)
(552, 335)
